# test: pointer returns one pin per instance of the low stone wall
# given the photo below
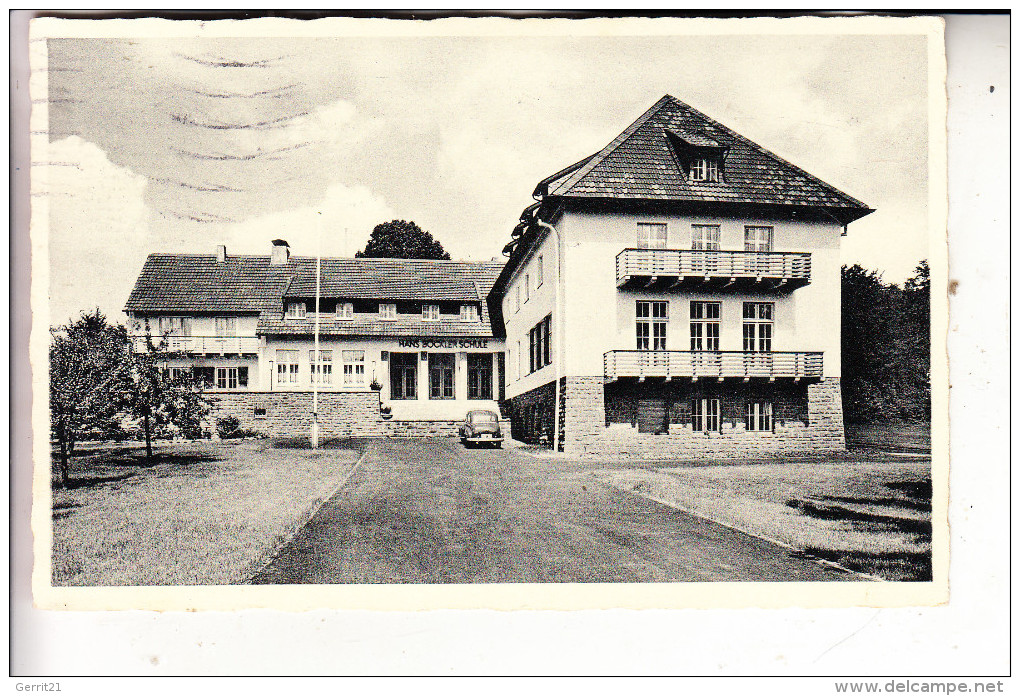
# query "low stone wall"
(531, 414)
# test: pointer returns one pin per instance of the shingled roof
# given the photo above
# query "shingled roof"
(188, 283)
(641, 163)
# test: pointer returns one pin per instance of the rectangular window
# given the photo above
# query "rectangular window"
(652, 318)
(286, 366)
(479, 367)
(547, 344)
(705, 170)
(175, 326)
(403, 376)
(517, 298)
(758, 317)
(651, 235)
(757, 238)
(387, 311)
(177, 374)
(705, 319)
(705, 415)
(226, 378)
(345, 310)
(705, 237)
(520, 359)
(469, 312)
(430, 312)
(758, 416)
(322, 369)
(296, 310)
(539, 273)
(441, 366)
(353, 367)
(540, 345)
(226, 327)
(259, 412)
(527, 287)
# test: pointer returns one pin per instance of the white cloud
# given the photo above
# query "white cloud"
(97, 229)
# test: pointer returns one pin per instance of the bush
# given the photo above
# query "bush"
(229, 427)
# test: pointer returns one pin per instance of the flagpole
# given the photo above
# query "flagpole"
(318, 357)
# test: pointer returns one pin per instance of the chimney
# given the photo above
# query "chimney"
(221, 253)
(281, 253)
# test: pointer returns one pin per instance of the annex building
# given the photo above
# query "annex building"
(412, 335)
(676, 294)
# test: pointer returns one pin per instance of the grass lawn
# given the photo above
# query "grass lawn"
(869, 516)
(892, 436)
(202, 513)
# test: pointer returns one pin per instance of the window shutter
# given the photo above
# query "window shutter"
(242, 376)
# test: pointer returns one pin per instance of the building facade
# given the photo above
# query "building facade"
(405, 347)
(676, 294)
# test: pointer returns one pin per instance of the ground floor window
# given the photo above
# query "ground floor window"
(479, 366)
(226, 378)
(403, 375)
(758, 416)
(354, 367)
(322, 369)
(441, 368)
(705, 415)
(286, 366)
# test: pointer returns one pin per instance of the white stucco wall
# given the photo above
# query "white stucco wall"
(599, 317)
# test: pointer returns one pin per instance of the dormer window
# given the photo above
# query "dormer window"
(345, 310)
(430, 312)
(295, 310)
(705, 170)
(388, 312)
(468, 312)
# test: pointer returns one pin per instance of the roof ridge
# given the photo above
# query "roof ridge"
(768, 152)
(625, 135)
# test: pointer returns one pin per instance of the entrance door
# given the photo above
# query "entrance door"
(403, 375)
(651, 415)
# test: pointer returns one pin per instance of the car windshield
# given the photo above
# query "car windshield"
(482, 417)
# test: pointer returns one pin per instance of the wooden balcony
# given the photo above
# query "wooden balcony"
(711, 364)
(663, 269)
(201, 345)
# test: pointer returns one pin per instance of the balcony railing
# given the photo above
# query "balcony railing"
(711, 363)
(674, 267)
(215, 345)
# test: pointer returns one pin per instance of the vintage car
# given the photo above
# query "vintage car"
(481, 427)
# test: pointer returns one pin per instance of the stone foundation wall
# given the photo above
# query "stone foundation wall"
(601, 419)
(531, 414)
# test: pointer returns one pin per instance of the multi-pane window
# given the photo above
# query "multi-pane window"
(179, 373)
(286, 366)
(226, 378)
(705, 415)
(430, 312)
(469, 312)
(296, 310)
(539, 273)
(652, 317)
(705, 237)
(517, 298)
(353, 367)
(479, 367)
(527, 287)
(705, 170)
(175, 326)
(540, 345)
(758, 416)
(757, 238)
(345, 310)
(758, 317)
(387, 310)
(705, 318)
(651, 235)
(441, 368)
(226, 326)
(403, 376)
(322, 369)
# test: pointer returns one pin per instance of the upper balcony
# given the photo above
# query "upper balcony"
(202, 345)
(662, 269)
(718, 364)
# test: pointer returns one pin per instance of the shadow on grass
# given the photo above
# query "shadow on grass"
(917, 490)
(890, 565)
(905, 504)
(343, 443)
(87, 482)
(862, 520)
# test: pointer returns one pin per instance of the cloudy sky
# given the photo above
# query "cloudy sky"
(180, 145)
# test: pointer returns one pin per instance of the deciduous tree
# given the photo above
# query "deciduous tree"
(400, 239)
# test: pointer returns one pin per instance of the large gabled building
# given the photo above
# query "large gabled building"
(413, 335)
(676, 293)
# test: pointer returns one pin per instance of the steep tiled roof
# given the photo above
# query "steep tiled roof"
(250, 284)
(640, 163)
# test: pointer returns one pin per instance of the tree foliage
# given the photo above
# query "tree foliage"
(886, 346)
(400, 239)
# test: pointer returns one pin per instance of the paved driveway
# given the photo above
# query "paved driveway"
(431, 511)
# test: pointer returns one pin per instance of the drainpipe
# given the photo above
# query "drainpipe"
(558, 367)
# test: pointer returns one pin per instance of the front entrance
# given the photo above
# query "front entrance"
(403, 375)
(651, 415)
